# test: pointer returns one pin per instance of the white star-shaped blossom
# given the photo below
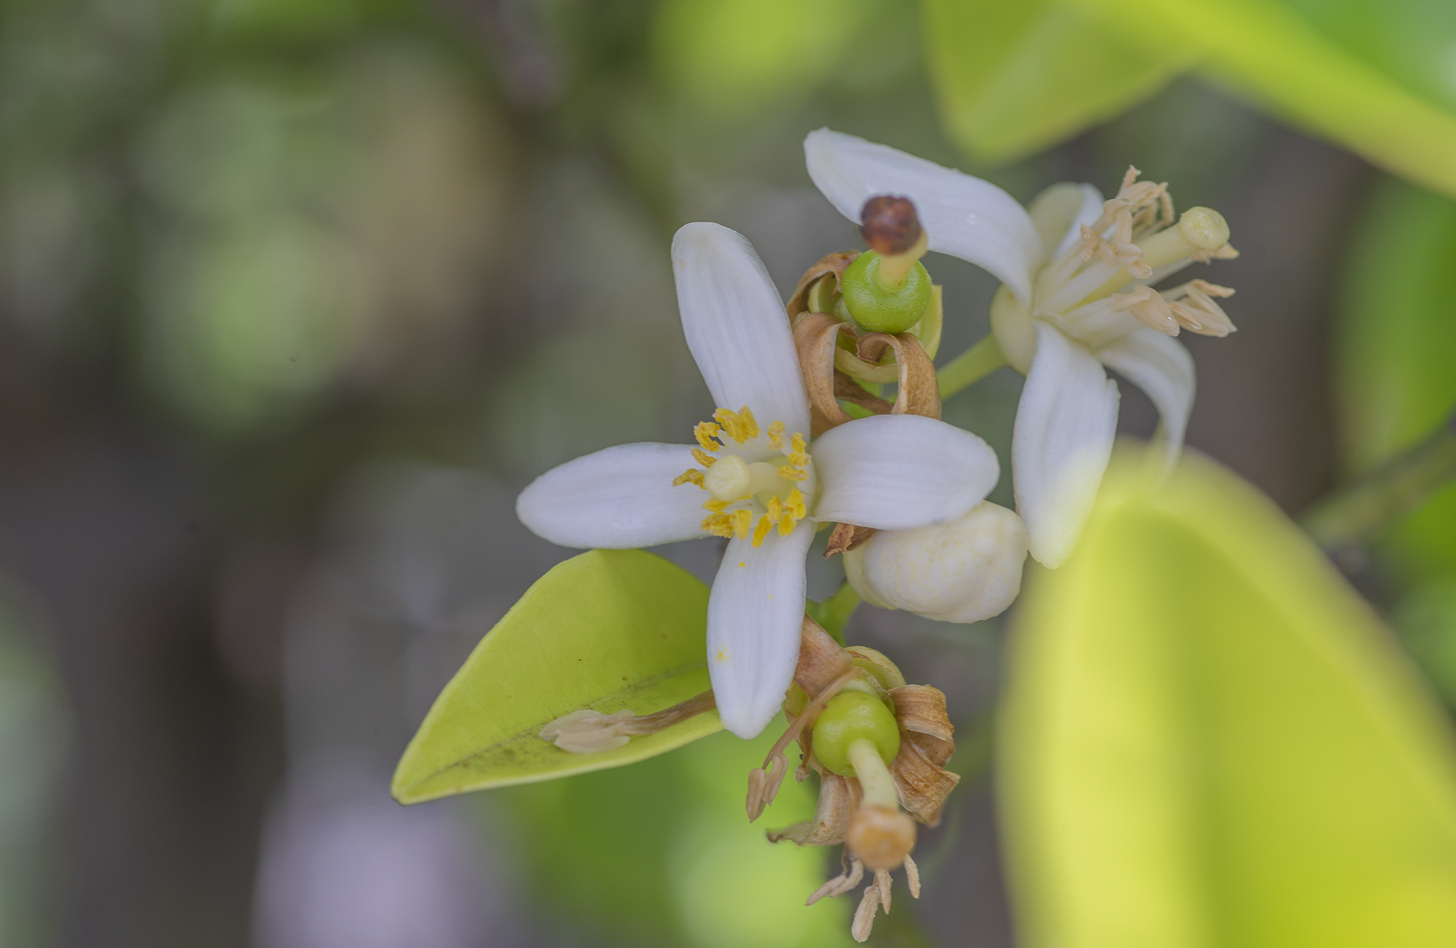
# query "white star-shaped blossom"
(1077, 275)
(754, 476)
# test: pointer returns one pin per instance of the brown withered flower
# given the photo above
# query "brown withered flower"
(872, 812)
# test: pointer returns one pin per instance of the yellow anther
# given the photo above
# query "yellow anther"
(761, 531)
(742, 522)
(749, 423)
(691, 476)
(794, 504)
(775, 507)
(776, 435)
(703, 458)
(798, 444)
(786, 526)
(790, 473)
(719, 525)
(704, 432)
(716, 506)
(738, 425)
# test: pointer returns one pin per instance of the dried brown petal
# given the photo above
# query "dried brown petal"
(919, 390)
(922, 785)
(838, 800)
(834, 264)
(889, 224)
(845, 537)
(849, 390)
(815, 337)
(821, 660)
(921, 708)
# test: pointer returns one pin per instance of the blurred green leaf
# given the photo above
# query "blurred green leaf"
(1374, 75)
(734, 59)
(662, 854)
(609, 629)
(1210, 740)
(1014, 76)
(1395, 353)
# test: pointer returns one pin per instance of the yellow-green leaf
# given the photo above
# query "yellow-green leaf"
(1210, 739)
(1015, 76)
(1374, 75)
(607, 630)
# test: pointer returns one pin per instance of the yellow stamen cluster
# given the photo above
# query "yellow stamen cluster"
(778, 511)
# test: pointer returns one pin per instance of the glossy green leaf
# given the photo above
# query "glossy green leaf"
(1374, 75)
(1396, 353)
(607, 630)
(1210, 740)
(1014, 76)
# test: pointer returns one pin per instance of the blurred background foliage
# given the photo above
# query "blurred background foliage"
(295, 296)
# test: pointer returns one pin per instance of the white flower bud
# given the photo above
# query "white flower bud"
(963, 571)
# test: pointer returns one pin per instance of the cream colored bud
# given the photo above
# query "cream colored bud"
(963, 571)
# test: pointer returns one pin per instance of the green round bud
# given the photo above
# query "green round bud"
(878, 305)
(851, 716)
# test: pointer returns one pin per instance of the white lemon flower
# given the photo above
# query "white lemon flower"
(1077, 274)
(767, 485)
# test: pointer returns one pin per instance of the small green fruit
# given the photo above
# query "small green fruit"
(851, 716)
(881, 307)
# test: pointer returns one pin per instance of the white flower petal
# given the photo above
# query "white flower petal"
(1061, 442)
(963, 571)
(898, 472)
(1059, 213)
(617, 498)
(1090, 210)
(1159, 365)
(755, 614)
(736, 326)
(964, 216)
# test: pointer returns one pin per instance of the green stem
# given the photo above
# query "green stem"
(1355, 515)
(974, 364)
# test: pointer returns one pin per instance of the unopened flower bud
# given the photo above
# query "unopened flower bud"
(963, 571)
(880, 837)
(889, 224)
(849, 717)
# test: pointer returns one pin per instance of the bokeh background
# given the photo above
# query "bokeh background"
(295, 295)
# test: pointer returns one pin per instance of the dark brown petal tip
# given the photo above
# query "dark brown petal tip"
(890, 225)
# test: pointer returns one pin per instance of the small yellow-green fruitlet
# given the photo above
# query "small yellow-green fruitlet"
(881, 306)
(849, 717)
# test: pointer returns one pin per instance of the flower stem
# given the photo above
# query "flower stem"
(1358, 513)
(834, 612)
(974, 364)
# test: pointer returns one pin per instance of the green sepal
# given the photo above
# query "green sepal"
(606, 630)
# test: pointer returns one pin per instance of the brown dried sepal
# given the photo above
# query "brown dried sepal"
(833, 265)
